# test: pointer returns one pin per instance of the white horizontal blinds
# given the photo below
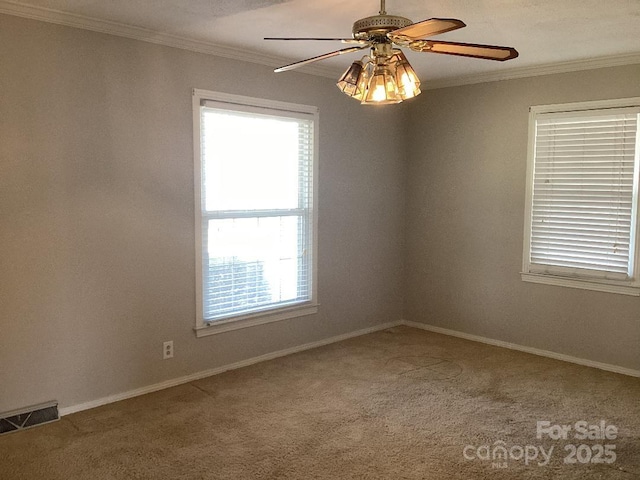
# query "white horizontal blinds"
(583, 192)
(305, 196)
(256, 210)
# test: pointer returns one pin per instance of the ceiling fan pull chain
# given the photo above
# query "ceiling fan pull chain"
(382, 9)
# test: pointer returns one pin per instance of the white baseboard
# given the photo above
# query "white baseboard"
(522, 348)
(214, 371)
(308, 346)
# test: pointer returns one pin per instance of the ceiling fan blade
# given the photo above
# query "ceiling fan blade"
(343, 40)
(291, 66)
(426, 28)
(488, 52)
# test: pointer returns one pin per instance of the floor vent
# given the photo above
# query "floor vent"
(28, 417)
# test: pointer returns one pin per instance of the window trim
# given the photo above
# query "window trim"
(203, 328)
(625, 287)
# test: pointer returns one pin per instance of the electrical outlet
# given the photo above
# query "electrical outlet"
(167, 350)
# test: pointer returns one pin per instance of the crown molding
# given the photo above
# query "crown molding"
(151, 36)
(59, 17)
(535, 71)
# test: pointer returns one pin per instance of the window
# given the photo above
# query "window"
(581, 225)
(255, 164)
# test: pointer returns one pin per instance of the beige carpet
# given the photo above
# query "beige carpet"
(397, 404)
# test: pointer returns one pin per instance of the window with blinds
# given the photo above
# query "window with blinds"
(255, 209)
(582, 196)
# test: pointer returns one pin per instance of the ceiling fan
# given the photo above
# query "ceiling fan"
(385, 76)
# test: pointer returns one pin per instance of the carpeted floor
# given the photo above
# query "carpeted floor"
(397, 404)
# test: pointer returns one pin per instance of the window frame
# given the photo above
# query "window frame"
(556, 276)
(244, 103)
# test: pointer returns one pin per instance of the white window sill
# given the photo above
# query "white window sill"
(600, 286)
(259, 318)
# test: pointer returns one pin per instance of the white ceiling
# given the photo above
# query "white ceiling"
(547, 33)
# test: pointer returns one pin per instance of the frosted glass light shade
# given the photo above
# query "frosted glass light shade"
(349, 82)
(406, 78)
(382, 88)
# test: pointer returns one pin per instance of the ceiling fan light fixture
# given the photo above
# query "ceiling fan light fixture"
(363, 78)
(382, 88)
(351, 81)
(380, 81)
(406, 77)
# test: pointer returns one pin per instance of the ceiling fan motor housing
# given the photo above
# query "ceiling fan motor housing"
(378, 25)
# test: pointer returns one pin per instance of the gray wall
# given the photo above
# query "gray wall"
(97, 213)
(465, 221)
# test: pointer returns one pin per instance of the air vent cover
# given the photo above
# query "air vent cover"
(28, 417)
